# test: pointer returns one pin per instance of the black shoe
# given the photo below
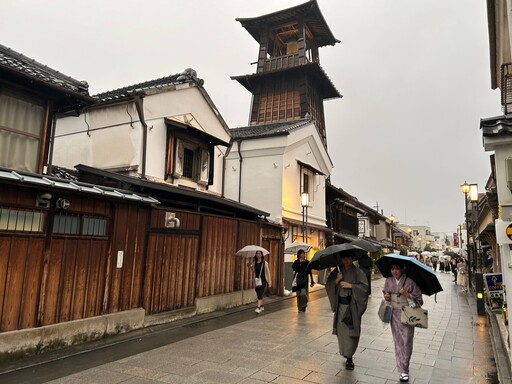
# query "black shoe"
(349, 365)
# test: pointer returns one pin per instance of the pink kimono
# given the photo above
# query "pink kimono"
(403, 335)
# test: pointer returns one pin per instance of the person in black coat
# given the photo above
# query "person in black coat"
(301, 277)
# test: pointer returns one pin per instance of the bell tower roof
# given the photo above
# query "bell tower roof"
(309, 12)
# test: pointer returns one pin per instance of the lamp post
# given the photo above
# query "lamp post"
(392, 219)
(473, 196)
(465, 189)
(304, 203)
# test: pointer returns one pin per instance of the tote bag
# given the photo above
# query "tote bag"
(414, 317)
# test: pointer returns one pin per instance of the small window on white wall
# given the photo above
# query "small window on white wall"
(191, 162)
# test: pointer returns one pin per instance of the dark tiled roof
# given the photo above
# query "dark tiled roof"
(267, 130)
(496, 126)
(23, 66)
(312, 69)
(309, 11)
(187, 76)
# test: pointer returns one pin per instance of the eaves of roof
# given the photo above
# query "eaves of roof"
(52, 182)
(496, 126)
(163, 83)
(268, 130)
(309, 11)
(313, 69)
(13, 63)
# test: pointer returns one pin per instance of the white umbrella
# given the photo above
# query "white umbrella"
(297, 246)
(426, 253)
(250, 251)
(412, 253)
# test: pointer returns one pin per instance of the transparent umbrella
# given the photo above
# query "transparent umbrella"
(250, 251)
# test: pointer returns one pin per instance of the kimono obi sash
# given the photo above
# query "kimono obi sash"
(398, 301)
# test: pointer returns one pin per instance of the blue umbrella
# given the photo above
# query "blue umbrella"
(422, 275)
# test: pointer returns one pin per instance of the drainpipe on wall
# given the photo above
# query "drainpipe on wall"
(49, 169)
(240, 160)
(140, 111)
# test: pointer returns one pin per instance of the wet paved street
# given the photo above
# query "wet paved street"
(286, 347)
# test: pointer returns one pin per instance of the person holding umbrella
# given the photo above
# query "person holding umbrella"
(262, 271)
(347, 289)
(401, 290)
(300, 267)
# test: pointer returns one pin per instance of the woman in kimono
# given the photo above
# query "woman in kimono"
(400, 291)
(300, 267)
(347, 289)
(462, 274)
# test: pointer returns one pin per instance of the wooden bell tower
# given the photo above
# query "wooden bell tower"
(289, 83)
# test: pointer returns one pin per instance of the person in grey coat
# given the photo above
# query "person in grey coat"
(347, 289)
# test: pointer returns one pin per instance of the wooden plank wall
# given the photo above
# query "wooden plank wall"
(124, 285)
(21, 265)
(216, 265)
(171, 262)
(74, 281)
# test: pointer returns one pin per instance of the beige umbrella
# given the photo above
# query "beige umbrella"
(250, 251)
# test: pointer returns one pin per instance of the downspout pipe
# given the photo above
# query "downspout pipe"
(49, 167)
(140, 111)
(240, 160)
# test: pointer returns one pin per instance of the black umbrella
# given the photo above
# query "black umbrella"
(331, 256)
(451, 253)
(365, 244)
(422, 275)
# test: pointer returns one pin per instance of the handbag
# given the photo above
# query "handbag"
(414, 317)
(385, 311)
(294, 281)
(257, 280)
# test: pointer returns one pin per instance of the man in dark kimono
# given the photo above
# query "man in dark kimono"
(347, 289)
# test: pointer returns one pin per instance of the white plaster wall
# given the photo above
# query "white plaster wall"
(271, 175)
(100, 138)
(115, 133)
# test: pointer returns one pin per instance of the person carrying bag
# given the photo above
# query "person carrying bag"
(403, 294)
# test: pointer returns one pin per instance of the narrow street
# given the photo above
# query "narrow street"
(279, 346)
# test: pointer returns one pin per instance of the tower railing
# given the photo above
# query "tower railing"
(284, 62)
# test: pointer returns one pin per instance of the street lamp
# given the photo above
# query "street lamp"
(473, 196)
(465, 189)
(305, 204)
(392, 219)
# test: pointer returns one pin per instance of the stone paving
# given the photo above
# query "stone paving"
(286, 347)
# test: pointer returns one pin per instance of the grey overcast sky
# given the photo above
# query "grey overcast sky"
(414, 75)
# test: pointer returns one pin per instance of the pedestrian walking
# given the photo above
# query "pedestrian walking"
(261, 271)
(447, 264)
(302, 278)
(435, 259)
(347, 289)
(453, 265)
(462, 273)
(400, 291)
